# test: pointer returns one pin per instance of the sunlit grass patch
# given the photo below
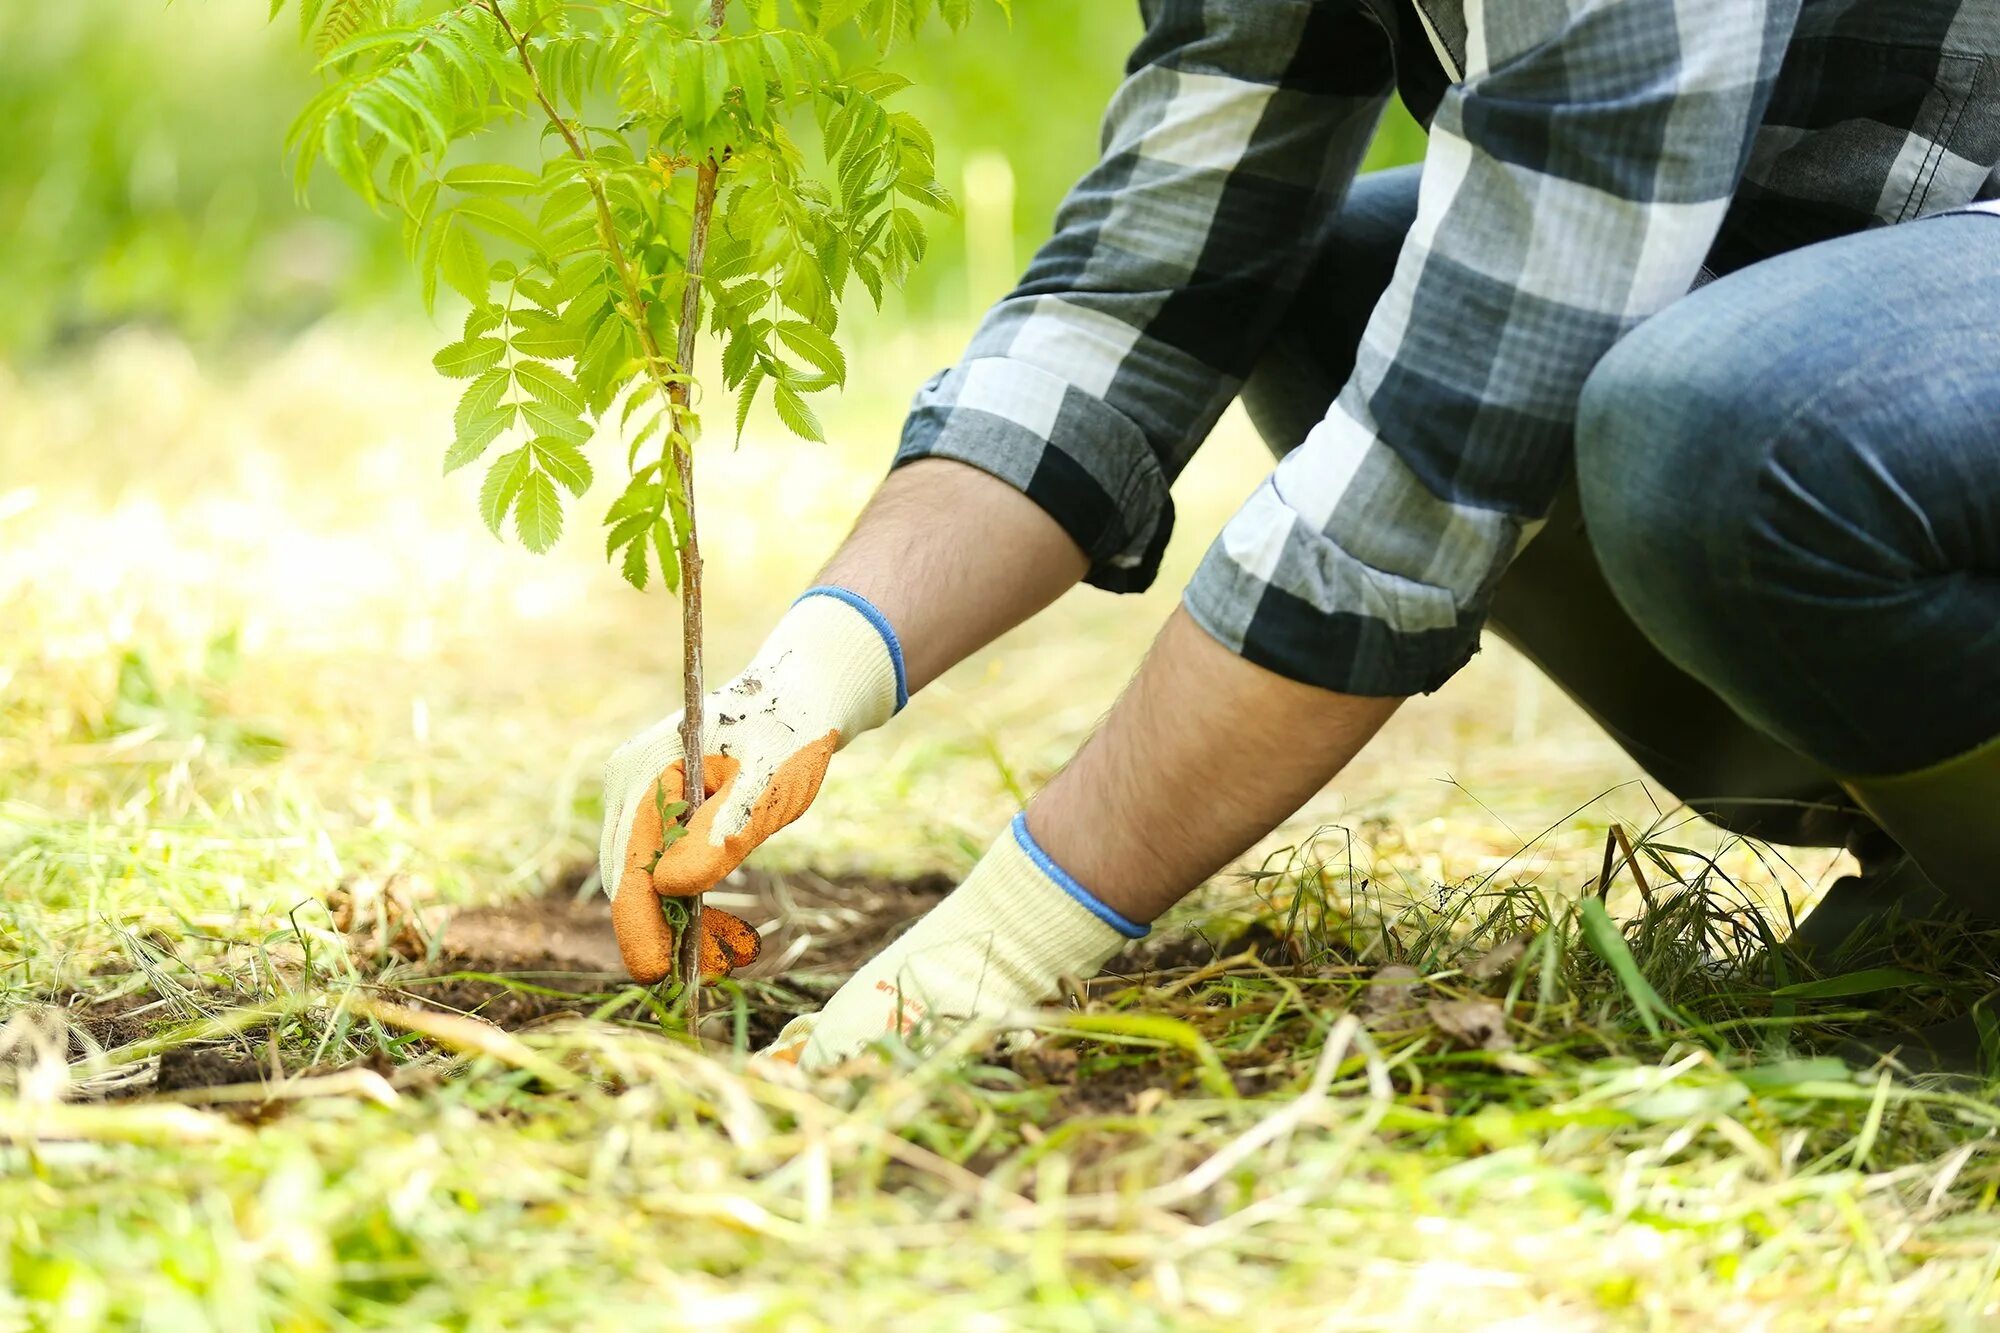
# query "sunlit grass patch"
(1289, 1114)
(1396, 1075)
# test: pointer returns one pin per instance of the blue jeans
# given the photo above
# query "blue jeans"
(1838, 411)
(1792, 480)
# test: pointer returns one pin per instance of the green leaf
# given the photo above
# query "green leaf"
(747, 63)
(538, 516)
(670, 556)
(503, 220)
(503, 482)
(740, 353)
(483, 395)
(816, 347)
(564, 462)
(544, 336)
(745, 396)
(714, 80)
(488, 178)
(551, 386)
(475, 435)
(474, 356)
(463, 264)
(545, 419)
(598, 366)
(634, 564)
(792, 410)
(344, 18)
(908, 229)
(341, 146)
(697, 101)
(430, 256)
(480, 418)
(632, 528)
(871, 278)
(836, 12)
(638, 498)
(484, 319)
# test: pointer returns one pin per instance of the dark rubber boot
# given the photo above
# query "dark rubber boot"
(1948, 817)
(1890, 891)
(1555, 607)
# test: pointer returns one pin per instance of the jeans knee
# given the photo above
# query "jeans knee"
(1667, 490)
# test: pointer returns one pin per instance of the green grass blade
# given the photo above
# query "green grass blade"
(1607, 943)
(1870, 981)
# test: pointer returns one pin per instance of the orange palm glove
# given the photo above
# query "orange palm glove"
(831, 670)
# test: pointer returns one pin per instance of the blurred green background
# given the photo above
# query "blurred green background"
(143, 180)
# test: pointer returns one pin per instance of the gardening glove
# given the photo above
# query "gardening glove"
(1003, 942)
(831, 670)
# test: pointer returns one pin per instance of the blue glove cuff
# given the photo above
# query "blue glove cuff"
(874, 617)
(1131, 930)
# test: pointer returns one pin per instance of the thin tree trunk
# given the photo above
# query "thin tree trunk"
(692, 690)
(688, 961)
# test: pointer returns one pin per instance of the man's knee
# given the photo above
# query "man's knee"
(1665, 460)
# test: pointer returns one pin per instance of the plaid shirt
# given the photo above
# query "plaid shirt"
(1586, 158)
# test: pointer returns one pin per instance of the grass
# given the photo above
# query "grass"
(1404, 1071)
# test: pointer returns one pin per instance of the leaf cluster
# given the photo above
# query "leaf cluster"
(575, 262)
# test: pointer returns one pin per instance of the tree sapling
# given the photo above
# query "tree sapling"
(664, 173)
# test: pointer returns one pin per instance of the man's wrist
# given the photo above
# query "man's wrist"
(1069, 884)
(832, 658)
(869, 612)
(1001, 943)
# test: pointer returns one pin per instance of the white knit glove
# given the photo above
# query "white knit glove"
(1001, 943)
(831, 670)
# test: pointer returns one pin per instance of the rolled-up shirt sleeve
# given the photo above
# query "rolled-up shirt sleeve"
(1226, 150)
(1575, 179)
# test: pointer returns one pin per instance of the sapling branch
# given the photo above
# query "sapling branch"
(589, 275)
(692, 690)
(673, 386)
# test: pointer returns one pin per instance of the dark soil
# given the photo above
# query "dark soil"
(1192, 951)
(111, 1023)
(184, 1067)
(551, 956)
(536, 959)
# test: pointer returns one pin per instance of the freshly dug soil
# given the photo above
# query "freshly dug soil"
(530, 961)
(183, 1067)
(556, 933)
(534, 959)
(110, 1023)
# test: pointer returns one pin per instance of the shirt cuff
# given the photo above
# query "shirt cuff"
(1085, 463)
(1291, 600)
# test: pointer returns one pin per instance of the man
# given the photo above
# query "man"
(1768, 511)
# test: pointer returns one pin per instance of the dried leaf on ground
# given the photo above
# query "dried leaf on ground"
(1477, 1023)
(1391, 994)
(1499, 960)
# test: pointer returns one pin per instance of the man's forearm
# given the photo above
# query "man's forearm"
(954, 558)
(1203, 754)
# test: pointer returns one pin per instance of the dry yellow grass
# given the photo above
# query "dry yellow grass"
(443, 704)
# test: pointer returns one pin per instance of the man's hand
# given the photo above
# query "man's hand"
(1000, 944)
(830, 670)
(1202, 755)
